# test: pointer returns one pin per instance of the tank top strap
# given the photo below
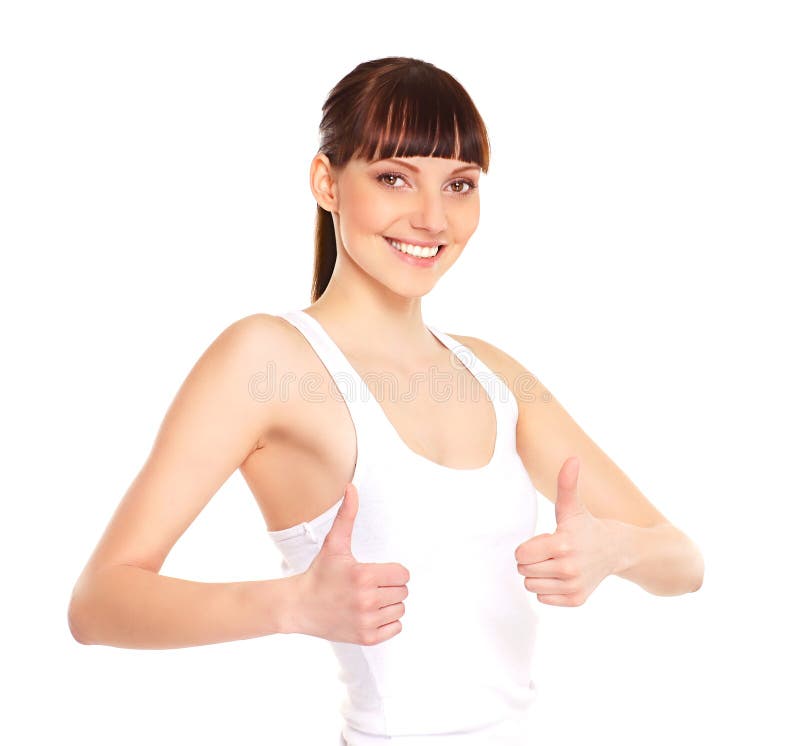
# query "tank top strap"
(505, 403)
(365, 412)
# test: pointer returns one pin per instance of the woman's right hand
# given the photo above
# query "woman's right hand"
(343, 600)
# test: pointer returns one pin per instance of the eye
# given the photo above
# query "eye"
(383, 176)
(471, 185)
(469, 182)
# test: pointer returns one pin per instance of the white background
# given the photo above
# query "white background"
(636, 252)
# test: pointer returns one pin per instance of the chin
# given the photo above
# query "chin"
(410, 290)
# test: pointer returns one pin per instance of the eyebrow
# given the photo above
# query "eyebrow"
(413, 168)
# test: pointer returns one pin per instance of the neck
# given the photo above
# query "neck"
(368, 316)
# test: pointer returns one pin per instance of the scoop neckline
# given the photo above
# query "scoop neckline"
(450, 344)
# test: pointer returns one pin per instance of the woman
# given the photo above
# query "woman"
(413, 503)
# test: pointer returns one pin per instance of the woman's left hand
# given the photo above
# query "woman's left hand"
(563, 568)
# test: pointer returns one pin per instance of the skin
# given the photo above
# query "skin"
(297, 453)
(371, 295)
(372, 309)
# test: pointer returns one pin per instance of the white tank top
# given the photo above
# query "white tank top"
(459, 671)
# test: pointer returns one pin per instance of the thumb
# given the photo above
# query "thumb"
(339, 538)
(567, 501)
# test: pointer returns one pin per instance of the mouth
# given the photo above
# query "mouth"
(415, 254)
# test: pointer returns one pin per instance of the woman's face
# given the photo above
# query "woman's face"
(420, 200)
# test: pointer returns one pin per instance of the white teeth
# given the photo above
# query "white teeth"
(408, 248)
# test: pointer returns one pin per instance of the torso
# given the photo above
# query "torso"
(307, 454)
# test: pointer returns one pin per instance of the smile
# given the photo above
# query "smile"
(414, 249)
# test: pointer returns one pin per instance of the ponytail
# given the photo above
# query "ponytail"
(324, 253)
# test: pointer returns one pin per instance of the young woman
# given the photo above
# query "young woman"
(396, 465)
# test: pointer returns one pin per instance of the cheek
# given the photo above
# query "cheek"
(467, 220)
(364, 212)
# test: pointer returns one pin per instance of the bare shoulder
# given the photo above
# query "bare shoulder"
(215, 421)
(249, 344)
(262, 348)
(254, 330)
(498, 360)
(258, 342)
(523, 383)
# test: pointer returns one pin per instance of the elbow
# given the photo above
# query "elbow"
(75, 627)
(701, 571)
(76, 619)
(75, 630)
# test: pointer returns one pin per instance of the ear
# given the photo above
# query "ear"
(323, 182)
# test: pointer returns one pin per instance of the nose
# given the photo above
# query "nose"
(430, 214)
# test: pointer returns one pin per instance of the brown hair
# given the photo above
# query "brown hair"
(394, 106)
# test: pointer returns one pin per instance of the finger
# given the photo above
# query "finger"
(390, 595)
(388, 631)
(548, 585)
(548, 569)
(389, 573)
(567, 500)
(541, 548)
(388, 614)
(340, 537)
(557, 600)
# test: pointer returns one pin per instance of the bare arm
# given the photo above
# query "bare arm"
(130, 607)
(650, 551)
(212, 425)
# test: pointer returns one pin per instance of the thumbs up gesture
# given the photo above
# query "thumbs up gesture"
(344, 600)
(563, 568)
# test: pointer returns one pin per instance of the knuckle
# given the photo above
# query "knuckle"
(364, 604)
(362, 576)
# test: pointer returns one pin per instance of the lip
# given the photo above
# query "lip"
(417, 261)
(417, 242)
